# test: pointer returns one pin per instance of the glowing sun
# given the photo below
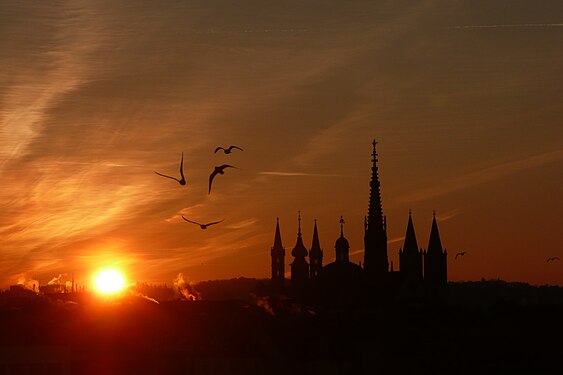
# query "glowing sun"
(109, 281)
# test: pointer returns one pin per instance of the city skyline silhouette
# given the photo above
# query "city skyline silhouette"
(319, 187)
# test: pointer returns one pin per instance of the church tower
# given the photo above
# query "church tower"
(278, 261)
(342, 246)
(299, 267)
(315, 255)
(435, 259)
(410, 257)
(375, 232)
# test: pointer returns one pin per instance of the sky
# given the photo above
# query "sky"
(464, 97)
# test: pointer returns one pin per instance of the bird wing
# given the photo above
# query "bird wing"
(189, 221)
(163, 175)
(211, 176)
(237, 147)
(219, 148)
(182, 167)
(456, 255)
(215, 222)
(226, 166)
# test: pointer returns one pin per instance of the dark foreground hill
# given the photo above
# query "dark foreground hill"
(133, 335)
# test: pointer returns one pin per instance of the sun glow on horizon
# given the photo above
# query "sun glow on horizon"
(109, 281)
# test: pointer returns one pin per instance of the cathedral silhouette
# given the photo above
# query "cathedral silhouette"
(422, 273)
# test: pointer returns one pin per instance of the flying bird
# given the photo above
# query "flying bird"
(217, 170)
(228, 150)
(202, 226)
(552, 259)
(462, 253)
(182, 181)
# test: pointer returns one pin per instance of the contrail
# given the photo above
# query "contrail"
(514, 26)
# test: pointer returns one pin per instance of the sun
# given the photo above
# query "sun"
(109, 281)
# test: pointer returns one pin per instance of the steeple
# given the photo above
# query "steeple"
(376, 264)
(410, 257)
(410, 245)
(316, 245)
(278, 260)
(435, 259)
(277, 237)
(375, 212)
(434, 244)
(316, 254)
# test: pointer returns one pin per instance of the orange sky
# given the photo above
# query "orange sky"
(465, 99)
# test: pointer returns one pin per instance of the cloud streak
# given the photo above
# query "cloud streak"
(297, 174)
(509, 26)
(485, 175)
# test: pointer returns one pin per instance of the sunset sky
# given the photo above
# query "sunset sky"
(464, 97)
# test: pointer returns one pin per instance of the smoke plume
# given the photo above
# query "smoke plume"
(184, 289)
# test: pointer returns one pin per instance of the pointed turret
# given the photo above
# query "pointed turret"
(435, 259)
(278, 260)
(376, 263)
(410, 245)
(299, 266)
(434, 244)
(410, 257)
(316, 254)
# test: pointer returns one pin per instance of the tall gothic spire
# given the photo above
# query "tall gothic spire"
(376, 263)
(375, 212)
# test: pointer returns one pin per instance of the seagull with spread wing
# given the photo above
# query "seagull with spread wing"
(218, 170)
(202, 226)
(228, 150)
(182, 181)
(552, 259)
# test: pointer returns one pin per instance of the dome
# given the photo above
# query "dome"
(342, 243)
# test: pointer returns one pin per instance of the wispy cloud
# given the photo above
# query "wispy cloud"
(485, 175)
(509, 26)
(64, 67)
(444, 216)
(293, 174)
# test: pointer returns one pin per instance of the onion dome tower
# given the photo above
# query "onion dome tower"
(342, 246)
(299, 267)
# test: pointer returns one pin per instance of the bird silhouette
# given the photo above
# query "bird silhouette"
(462, 253)
(202, 226)
(228, 150)
(182, 181)
(552, 259)
(217, 170)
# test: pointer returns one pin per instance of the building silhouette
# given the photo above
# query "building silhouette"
(299, 267)
(422, 273)
(278, 261)
(316, 255)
